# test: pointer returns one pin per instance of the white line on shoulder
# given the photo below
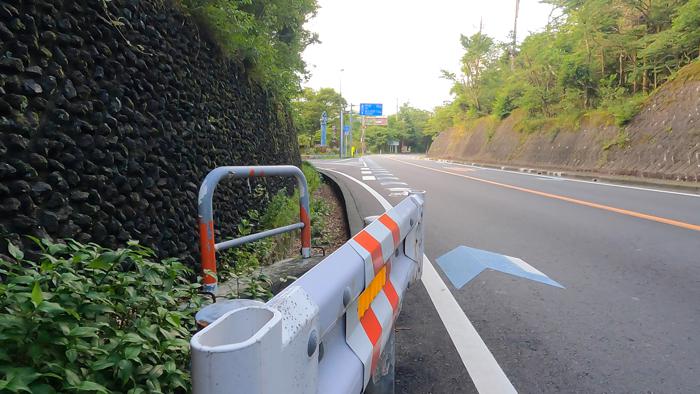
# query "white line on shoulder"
(487, 375)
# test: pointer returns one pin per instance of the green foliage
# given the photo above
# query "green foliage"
(625, 109)
(243, 264)
(268, 36)
(598, 54)
(307, 109)
(85, 318)
(503, 105)
(409, 127)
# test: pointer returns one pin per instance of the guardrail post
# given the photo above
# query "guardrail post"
(208, 247)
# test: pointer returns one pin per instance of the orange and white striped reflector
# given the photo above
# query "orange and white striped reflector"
(370, 317)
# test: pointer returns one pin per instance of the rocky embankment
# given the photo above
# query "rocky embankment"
(112, 112)
(661, 142)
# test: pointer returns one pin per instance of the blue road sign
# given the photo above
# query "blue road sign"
(346, 128)
(324, 123)
(371, 109)
(463, 264)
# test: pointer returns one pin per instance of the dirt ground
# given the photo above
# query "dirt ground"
(336, 230)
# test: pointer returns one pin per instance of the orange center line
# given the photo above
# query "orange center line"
(658, 219)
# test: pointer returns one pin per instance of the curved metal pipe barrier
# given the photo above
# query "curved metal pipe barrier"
(208, 247)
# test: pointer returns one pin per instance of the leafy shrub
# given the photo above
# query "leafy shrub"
(85, 318)
(625, 109)
(503, 105)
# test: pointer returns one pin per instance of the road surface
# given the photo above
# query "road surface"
(627, 321)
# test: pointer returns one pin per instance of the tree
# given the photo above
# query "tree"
(310, 105)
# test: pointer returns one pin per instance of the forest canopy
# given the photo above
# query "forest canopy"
(594, 54)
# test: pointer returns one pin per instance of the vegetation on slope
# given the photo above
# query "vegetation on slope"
(595, 55)
(267, 36)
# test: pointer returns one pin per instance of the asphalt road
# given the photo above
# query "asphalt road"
(628, 320)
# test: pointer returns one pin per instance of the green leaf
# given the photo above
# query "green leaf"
(101, 364)
(19, 379)
(71, 355)
(83, 332)
(73, 313)
(14, 251)
(132, 352)
(37, 296)
(51, 308)
(92, 386)
(125, 369)
(72, 378)
(155, 372)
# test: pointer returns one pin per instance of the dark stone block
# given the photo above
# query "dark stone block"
(49, 220)
(69, 90)
(17, 102)
(56, 200)
(19, 187)
(6, 170)
(31, 87)
(10, 205)
(79, 196)
(24, 223)
(11, 64)
(40, 188)
(38, 161)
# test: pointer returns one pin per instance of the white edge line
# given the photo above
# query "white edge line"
(564, 178)
(487, 375)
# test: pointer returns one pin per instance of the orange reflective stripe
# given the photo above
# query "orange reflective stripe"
(364, 239)
(371, 325)
(391, 225)
(207, 251)
(391, 294)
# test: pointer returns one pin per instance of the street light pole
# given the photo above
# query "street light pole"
(342, 109)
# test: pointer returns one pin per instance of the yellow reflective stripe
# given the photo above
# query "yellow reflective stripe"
(368, 295)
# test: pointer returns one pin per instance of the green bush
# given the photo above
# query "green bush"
(626, 109)
(267, 36)
(84, 318)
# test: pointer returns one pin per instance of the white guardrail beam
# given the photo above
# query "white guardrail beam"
(326, 332)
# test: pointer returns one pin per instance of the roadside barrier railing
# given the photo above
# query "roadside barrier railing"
(331, 330)
(208, 247)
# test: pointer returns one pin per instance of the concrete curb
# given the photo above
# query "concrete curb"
(352, 212)
(588, 176)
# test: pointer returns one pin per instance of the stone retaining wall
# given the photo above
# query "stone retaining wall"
(111, 113)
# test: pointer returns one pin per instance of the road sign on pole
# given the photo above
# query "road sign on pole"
(371, 109)
(324, 124)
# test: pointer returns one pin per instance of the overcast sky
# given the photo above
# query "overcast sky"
(395, 49)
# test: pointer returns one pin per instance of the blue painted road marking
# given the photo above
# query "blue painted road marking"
(463, 264)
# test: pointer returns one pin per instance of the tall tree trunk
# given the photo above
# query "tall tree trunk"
(515, 36)
(602, 63)
(645, 78)
(620, 82)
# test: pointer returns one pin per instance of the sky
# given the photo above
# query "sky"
(394, 49)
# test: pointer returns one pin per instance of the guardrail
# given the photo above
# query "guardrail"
(208, 247)
(331, 330)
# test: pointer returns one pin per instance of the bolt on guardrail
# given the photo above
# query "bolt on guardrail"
(208, 247)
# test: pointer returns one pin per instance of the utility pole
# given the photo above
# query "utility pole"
(349, 141)
(515, 36)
